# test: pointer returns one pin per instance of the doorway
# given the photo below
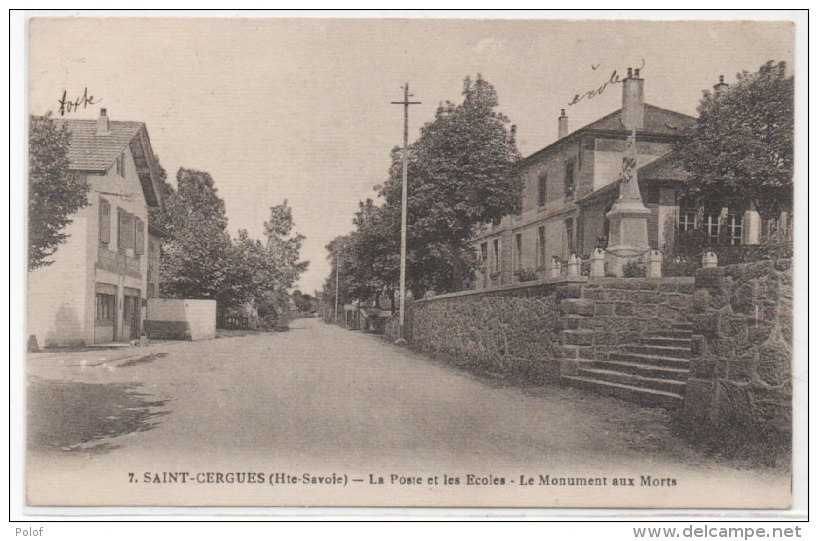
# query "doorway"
(131, 312)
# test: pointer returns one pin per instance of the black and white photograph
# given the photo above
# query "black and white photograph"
(279, 260)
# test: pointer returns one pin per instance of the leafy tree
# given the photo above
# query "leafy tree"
(462, 173)
(198, 259)
(284, 246)
(344, 264)
(54, 192)
(742, 143)
(303, 301)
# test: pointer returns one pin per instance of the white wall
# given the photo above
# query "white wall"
(200, 315)
(57, 294)
(166, 309)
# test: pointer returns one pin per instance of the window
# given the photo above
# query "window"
(711, 227)
(734, 228)
(569, 235)
(722, 227)
(542, 189)
(104, 310)
(484, 255)
(495, 264)
(518, 252)
(104, 222)
(541, 246)
(687, 216)
(569, 177)
(126, 235)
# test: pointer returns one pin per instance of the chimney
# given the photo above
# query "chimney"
(633, 101)
(717, 89)
(103, 126)
(563, 128)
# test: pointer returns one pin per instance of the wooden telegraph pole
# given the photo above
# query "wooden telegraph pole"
(406, 103)
(337, 264)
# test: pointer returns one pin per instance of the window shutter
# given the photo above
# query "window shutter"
(120, 229)
(104, 221)
(139, 248)
(126, 230)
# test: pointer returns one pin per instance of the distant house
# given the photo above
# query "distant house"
(570, 185)
(97, 288)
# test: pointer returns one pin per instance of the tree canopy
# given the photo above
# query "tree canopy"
(200, 260)
(742, 143)
(462, 173)
(54, 192)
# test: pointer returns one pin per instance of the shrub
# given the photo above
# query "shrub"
(680, 265)
(634, 269)
(527, 275)
(777, 245)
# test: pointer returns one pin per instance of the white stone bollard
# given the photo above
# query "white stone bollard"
(556, 268)
(710, 260)
(751, 228)
(598, 263)
(654, 264)
(573, 265)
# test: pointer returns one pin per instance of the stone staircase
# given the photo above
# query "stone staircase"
(652, 372)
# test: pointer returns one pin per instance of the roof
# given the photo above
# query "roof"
(657, 122)
(665, 168)
(92, 152)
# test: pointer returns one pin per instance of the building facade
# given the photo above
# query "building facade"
(97, 287)
(570, 185)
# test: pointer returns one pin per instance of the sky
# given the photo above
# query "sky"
(299, 109)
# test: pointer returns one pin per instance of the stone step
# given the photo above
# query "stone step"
(647, 397)
(652, 360)
(662, 351)
(645, 370)
(686, 343)
(686, 326)
(674, 333)
(615, 376)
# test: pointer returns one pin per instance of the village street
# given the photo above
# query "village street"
(321, 400)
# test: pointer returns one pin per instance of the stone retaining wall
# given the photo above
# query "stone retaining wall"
(509, 329)
(547, 328)
(743, 377)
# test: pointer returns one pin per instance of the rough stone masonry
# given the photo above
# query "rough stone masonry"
(744, 375)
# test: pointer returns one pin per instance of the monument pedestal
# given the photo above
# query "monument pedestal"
(628, 218)
(628, 238)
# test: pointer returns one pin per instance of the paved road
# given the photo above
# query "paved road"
(323, 400)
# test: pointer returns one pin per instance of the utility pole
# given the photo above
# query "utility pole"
(337, 265)
(403, 197)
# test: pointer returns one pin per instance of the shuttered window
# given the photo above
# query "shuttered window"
(569, 177)
(139, 242)
(542, 189)
(104, 222)
(125, 239)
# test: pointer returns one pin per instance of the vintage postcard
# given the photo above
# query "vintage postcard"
(411, 262)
